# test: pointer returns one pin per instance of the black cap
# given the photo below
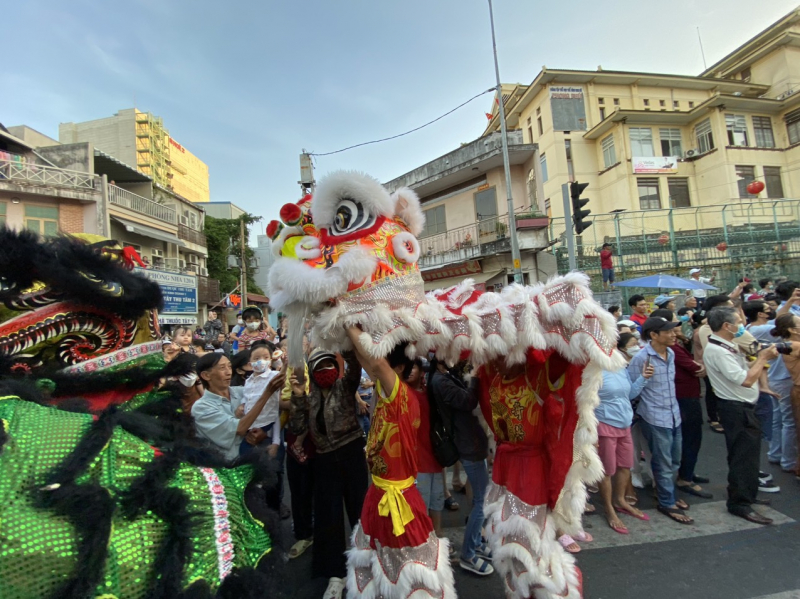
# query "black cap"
(657, 324)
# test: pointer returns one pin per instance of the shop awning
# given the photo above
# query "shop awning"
(478, 277)
(146, 231)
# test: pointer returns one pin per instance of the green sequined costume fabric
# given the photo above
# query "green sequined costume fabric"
(38, 548)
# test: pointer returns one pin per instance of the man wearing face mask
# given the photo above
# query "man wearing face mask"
(328, 412)
(735, 381)
(233, 337)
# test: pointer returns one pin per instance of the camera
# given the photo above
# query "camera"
(782, 346)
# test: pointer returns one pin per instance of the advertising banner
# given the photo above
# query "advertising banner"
(569, 110)
(655, 165)
(180, 296)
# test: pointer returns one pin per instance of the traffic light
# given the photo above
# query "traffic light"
(578, 213)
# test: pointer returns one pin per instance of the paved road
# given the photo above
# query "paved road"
(719, 556)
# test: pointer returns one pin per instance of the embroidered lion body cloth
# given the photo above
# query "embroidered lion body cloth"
(348, 255)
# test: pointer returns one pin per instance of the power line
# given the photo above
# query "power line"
(366, 143)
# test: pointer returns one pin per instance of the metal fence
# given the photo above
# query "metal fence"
(486, 237)
(20, 170)
(135, 202)
(752, 238)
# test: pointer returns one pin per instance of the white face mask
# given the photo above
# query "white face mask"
(278, 364)
(632, 351)
(253, 326)
(636, 334)
(240, 322)
(260, 366)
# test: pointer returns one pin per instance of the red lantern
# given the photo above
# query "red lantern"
(755, 187)
(664, 239)
(722, 246)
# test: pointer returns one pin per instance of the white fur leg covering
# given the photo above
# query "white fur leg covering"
(529, 559)
(422, 572)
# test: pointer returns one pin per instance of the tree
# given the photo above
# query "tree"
(223, 238)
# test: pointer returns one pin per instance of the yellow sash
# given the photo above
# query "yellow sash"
(393, 503)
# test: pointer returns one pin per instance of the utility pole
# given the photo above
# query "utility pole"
(306, 173)
(512, 223)
(243, 262)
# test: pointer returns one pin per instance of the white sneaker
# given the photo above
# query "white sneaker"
(335, 589)
(636, 480)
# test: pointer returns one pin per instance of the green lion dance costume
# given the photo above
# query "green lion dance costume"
(104, 492)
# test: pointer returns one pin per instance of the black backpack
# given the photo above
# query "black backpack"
(442, 428)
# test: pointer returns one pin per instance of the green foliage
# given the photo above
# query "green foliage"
(223, 238)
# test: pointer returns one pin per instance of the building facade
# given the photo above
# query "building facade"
(467, 223)
(668, 157)
(140, 139)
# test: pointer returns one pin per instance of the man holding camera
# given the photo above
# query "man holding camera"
(735, 382)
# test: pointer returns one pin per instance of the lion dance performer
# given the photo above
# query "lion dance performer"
(347, 257)
(104, 491)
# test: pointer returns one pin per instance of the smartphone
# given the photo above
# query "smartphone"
(647, 362)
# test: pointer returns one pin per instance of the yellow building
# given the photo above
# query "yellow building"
(140, 138)
(668, 155)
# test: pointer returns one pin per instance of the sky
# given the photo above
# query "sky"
(247, 86)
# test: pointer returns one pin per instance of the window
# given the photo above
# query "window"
(762, 127)
(745, 175)
(434, 221)
(3, 213)
(646, 102)
(539, 123)
(547, 209)
(543, 164)
(641, 141)
(529, 121)
(648, 194)
(772, 181)
(678, 192)
(609, 152)
(616, 101)
(670, 142)
(662, 103)
(570, 168)
(737, 129)
(704, 136)
(486, 211)
(676, 104)
(42, 220)
(538, 111)
(691, 104)
(530, 134)
(601, 100)
(602, 113)
(532, 199)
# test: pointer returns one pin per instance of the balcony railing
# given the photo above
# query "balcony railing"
(132, 201)
(192, 236)
(753, 238)
(38, 174)
(484, 238)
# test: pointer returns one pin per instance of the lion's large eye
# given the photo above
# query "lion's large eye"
(350, 217)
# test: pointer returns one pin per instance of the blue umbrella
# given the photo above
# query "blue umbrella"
(663, 282)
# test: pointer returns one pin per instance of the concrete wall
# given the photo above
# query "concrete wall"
(115, 135)
(73, 216)
(72, 156)
(32, 136)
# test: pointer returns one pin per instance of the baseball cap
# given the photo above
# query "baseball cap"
(662, 299)
(694, 270)
(657, 324)
(627, 323)
(318, 355)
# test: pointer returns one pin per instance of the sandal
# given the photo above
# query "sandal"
(695, 490)
(298, 454)
(300, 547)
(477, 565)
(716, 427)
(589, 509)
(622, 510)
(631, 499)
(566, 542)
(682, 505)
(671, 512)
(583, 537)
(620, 528)
(459, 487)
(451, 504)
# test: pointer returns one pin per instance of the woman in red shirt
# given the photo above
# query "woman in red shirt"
(395, 549)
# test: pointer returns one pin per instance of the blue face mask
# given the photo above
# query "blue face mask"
(685, 318)
(740, 331)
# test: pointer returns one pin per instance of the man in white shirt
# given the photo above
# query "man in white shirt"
(700, 294)
(735, 381)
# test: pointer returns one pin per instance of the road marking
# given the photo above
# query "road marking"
(709, 519)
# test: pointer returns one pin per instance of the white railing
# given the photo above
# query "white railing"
(132, 201)
(14, 170)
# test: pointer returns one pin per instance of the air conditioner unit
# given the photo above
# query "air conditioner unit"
(193, 258)
(184, 220)
(182, 263)
(203, 272)
(690, 153)
(192, 267)
(157, 253)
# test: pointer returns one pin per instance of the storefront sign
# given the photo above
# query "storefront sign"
(180, 296)
(568, 108)
(655, 165)
(459, 270)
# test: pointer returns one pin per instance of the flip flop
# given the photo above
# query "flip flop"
(566, 542)
(583, 537)
(698, 492)
(716, 427)
(300, 547)
(682, 505)
(671, 512)
(622, 510)
(621, 529)
(631, 499)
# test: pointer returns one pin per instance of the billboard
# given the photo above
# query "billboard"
(568, 108)
(654, 165)
(180, 296)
